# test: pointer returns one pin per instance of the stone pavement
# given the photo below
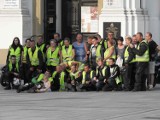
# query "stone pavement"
(80, 106)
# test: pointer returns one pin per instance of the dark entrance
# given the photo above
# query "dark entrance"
(71, 17)
(49, 19)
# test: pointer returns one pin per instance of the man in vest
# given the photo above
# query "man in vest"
(142, 59)
(42, 46)
(102, 75)
(129, 62)
(25, 66)
(34, 60)
(12, 72)
(68, 52)
(58, 83)
(87, 79)
(114, 82)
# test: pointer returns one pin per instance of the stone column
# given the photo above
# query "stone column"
(59, 16)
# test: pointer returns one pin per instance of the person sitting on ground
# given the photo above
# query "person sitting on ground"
(102, 74)
(12, 72)
(87, 79)
(114, 82)
(41, 84)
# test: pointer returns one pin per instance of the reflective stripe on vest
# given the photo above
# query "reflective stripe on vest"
(16, 52)
(84, 76)
(145, 56)
(53, 58)
(33, 57)
(67, 55)
(126, 55)
(103, 71)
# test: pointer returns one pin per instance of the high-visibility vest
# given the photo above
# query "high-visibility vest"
(41, 48)
(107, 52)
(145, 56)
(25, 49)
(11, 66)
(74, 75)
(98, 51)
(62, 82)
(126, 55)
(117, 79)
(103, 71)
(84, 76)
(33, 57)
(16, 52)
(53, 57)
(67, 55)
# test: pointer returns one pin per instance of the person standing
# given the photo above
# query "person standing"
(53, 56)
(142, 59)
(129, 62)
(34, 60)
(15, 49)
(68, 52)
(80, 49)
(153, 48)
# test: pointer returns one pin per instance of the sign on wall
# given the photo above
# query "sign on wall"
(11, 3)
(89, 19)
(114, 27)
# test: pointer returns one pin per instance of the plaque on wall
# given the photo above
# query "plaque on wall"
(114, 27)
(11, 4)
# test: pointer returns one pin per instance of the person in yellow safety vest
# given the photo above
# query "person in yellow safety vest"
(34, 60)
(102, 74)
(129, 62)
(142, 59)
(12, 72)
(42, 46)
(68, 52)
(58, 83)
(25, 67)
(15, 49)
(88, 83)
(114, 81)
(110, 38)
(109, 53)
(75, 77)
(53, 55)
(41, 83)
(100, 49)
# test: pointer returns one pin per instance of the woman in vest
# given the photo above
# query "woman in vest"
(110, 52)
(129, 61)
(68, 52)
(53, 54)
(15, 49)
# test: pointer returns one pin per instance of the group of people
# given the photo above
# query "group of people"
(93, 65)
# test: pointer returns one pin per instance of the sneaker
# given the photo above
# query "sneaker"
(150, 87)
(8, 88)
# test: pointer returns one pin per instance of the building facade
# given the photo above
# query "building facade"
(25, 18)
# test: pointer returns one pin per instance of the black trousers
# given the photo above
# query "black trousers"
(24, 69)
(141, 76)
(30, 74)
(129, 76)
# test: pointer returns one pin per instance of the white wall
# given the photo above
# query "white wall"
(153, 7)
